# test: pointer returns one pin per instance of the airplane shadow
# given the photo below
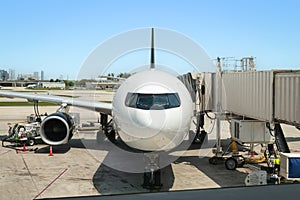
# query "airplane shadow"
(121, 169)
(217, 173)
(61, 149)
(108, 181)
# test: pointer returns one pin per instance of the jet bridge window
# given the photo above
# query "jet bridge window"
(152, 101)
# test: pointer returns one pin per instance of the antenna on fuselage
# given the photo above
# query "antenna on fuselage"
(152, 57)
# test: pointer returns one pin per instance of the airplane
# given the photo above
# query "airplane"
(151, 111)
(31, 86)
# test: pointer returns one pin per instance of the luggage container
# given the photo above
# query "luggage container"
(290, 166)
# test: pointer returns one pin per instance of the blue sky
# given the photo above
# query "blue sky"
(58, 35)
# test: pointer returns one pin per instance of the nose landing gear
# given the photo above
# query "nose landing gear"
(152, 174)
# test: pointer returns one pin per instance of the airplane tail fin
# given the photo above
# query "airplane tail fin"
(152, 56)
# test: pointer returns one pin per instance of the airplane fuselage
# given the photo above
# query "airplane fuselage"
(152, 111)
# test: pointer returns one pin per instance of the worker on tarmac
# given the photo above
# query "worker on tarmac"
(277, 164)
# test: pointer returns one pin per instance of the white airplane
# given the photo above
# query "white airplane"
(31, 86)
(151, 111)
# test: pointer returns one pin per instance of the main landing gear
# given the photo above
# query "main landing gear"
(107, 128)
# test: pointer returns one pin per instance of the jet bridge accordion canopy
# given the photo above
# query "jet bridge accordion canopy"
(264, 95)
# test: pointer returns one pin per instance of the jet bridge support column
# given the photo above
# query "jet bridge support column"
(219, 109)
(218, 152)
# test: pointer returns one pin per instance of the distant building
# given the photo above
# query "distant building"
(30, 77)
(36, 75)
(4, 76)
(60, 85)
(26, 77)
(20, 77)
(12, 74)
(42, 76)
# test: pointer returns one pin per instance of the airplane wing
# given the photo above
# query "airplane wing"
(101, 107)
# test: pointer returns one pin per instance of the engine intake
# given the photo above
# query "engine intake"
(57, 128)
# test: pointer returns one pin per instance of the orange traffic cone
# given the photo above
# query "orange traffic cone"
(50, 152)
(24, 147)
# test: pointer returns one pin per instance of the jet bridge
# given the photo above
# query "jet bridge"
(271, 97)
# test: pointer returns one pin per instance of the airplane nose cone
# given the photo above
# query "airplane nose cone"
(150, 122)
(142, 120)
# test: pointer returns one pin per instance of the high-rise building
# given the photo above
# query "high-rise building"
(4, 75)
(20, 77)
(12, 74)
(36, 75)
(42, 76)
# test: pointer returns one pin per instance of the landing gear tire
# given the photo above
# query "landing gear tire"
(152, 180)
(111, 136)
(30, 142)
(231, 163)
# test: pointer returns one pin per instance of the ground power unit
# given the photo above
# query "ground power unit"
(250, 131)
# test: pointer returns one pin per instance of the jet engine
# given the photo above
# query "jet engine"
(57, 128)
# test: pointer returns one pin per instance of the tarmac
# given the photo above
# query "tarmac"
(73, 170)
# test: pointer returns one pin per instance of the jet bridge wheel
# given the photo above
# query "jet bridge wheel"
(231, 163)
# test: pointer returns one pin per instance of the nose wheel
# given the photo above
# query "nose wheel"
(152, 174)
(152, 180)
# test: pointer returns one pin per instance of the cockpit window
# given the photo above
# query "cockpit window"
(152, 101)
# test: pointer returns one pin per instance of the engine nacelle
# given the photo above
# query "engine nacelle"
(57, 128)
